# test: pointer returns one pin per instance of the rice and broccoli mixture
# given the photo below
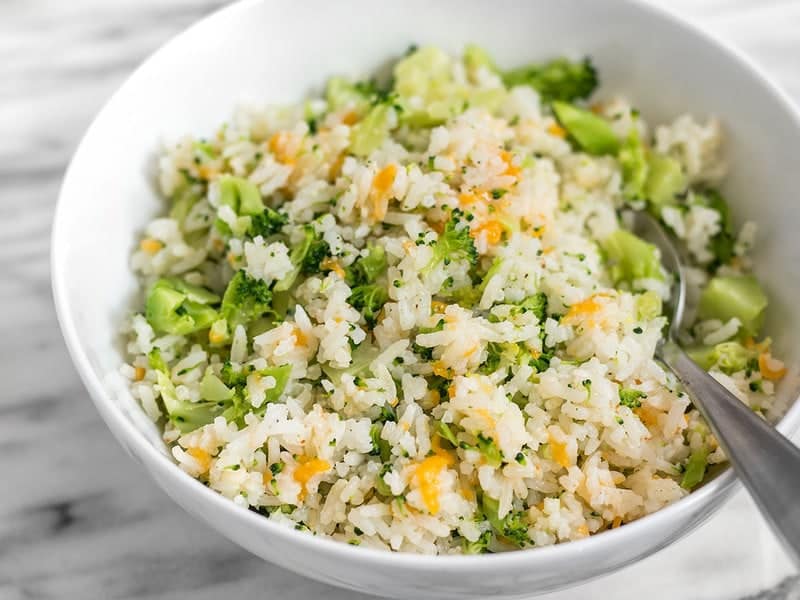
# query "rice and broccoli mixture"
(407, 314)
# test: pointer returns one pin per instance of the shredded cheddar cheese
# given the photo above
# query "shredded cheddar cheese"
(307, 467)
(770, 368)
(202, 457)
(150, 245)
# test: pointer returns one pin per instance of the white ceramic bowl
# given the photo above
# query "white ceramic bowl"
(276, 50)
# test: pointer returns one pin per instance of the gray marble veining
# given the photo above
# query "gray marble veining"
(78, 518)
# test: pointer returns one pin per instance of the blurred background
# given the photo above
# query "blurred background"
(80, 519)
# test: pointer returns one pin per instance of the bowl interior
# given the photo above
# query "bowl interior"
(278, 51)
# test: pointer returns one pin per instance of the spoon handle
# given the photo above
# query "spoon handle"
(765, 461)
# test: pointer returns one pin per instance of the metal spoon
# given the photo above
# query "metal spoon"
(765, 461)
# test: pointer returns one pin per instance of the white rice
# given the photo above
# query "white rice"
(551, 445)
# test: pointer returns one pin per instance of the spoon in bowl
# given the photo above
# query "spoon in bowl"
(764, 460)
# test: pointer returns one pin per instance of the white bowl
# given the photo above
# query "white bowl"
(276, 50)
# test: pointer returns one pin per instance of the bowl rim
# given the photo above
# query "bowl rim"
(138, 446)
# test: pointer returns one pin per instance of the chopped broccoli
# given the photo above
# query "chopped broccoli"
(492, 363)
(212, 388)
(267, 223)
(559, 79)
(630, 397)
(362, 358)
(631, 258)
(512, 526)
(186, 416)
(370, 132)
(241, 195)
(156, 362)
(174, 306)
(368, 299)
(729, 357)
(367, 268)
(648, 305)
(695, 469)
(240, 405)
(735, 296)
(488, 447)
(380, 483)
(306, 257)
(446, 432)
(665, 180)
(592, 133)
(380, 447)
(480, 545)
(245, 300)
(341, 93)
(537, 304)
(635, 167)
(454, 243)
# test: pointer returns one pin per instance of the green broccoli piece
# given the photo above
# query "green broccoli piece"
(267, 223)
(729, 357)
(380, 447)
(367, 268)
(156, 362)
(635, 167)
(445, 431)
(665, 181)
(246, 299)
(735, 296)
(488, 447)
(455, 243)
(186, 416)
(306, 257)
(695, 469)
(592, 133)
(559, 79)
(512, 526)
(631, 258)
(494, 352)
(536, 304)
(479, 546)
(631, 397)
(368, 299)
(174, 306)
(212, 388)
(240, 194)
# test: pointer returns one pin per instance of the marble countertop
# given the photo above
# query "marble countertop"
(78, 518)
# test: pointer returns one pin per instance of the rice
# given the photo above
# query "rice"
(420, 326)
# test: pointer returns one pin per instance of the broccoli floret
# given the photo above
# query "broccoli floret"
(367, 268)
(267, 223)
(306, 257)
(537, 304)
(186, 416)
(559, 79)
(245, 300)
(490, 365)
(479, 546)
(174, 306)
(490, 451)
(368, 299)
(455, 243)
(631, 397)
(512, 526)
(635, 167)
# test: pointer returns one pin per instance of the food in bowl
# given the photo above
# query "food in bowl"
(408, 315)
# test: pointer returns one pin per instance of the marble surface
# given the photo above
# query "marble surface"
(78, 518)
